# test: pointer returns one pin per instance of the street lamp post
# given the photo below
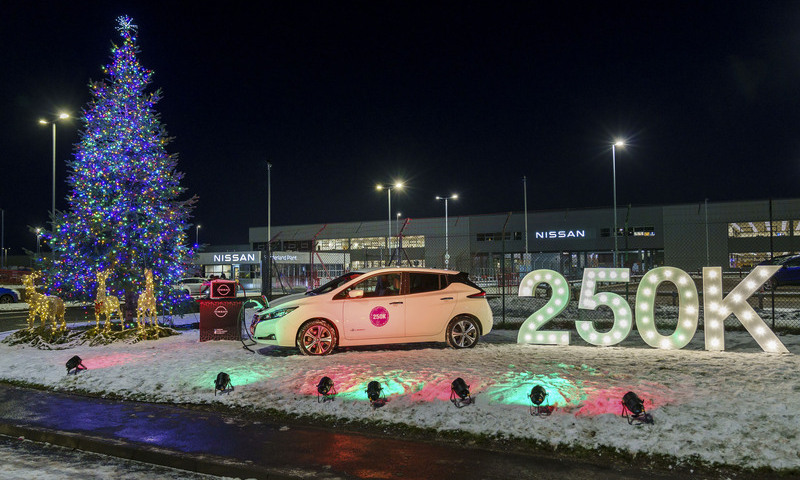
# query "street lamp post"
(197, 235)
(38, 236)
(446, 230)
(618, 143)
(397, 227)
(397, 185)
(61, 116)
(266, 270)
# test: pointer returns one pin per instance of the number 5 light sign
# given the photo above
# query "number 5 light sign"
(716, 308)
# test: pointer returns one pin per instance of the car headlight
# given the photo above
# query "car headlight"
(278, 313)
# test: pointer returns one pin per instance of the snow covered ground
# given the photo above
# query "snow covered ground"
(736, 407)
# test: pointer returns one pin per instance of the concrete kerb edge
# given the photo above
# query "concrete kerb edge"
(206, 464)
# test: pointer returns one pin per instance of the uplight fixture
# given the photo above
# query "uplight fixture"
(459, 393)
(325, 390)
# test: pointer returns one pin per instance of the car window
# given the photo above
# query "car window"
(461, 277)
(378, 285)
(423, 282)
(793, 263)
(335, 283)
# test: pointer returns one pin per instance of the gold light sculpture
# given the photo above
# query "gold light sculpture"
(146, 305)
(105, 304)
(46, 307)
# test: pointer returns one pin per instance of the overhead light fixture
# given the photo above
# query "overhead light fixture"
(537, 396)
(75, 363)
(325, 390)
(375, 394)
(459, 393)
(633, 409)
(222, 384)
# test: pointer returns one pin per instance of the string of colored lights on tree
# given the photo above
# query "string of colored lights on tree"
(125, 212)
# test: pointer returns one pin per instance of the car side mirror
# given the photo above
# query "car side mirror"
(355, 294)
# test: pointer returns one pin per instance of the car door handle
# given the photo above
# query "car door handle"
(446, 298)
(395, 303)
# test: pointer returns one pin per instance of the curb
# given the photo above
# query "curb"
(205, 464)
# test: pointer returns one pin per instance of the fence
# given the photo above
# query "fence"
(736, 247)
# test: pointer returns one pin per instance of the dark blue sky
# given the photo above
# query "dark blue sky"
(462, 97)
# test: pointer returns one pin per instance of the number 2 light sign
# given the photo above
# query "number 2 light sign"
(716, 308)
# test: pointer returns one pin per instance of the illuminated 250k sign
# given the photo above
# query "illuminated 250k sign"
(716, 308)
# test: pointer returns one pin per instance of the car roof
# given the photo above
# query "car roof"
(407, 269)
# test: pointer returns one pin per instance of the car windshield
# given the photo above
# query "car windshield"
(334, 284)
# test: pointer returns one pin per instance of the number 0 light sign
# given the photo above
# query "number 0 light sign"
(716, 308)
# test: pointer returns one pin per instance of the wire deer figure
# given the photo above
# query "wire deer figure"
(46, 307)
(105, 304)
(146, 305)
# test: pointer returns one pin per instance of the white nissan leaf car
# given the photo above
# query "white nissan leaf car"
(388, 305)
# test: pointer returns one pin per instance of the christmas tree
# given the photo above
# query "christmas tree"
(124, 214)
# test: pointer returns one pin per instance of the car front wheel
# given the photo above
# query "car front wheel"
(7, 299)
(317, 337)
(463, 332)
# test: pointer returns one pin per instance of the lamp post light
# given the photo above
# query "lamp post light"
(397, 185)
(61, 116)
(38, 236)
(446, 230)
(197, 235)
(618, 143)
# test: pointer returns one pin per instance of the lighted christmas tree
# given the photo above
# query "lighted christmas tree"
(125, 212)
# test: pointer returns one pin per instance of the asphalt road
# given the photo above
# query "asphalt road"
(14, 320)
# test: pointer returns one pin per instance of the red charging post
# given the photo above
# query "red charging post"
(219, 314)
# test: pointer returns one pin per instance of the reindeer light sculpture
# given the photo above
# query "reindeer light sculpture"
(146, 305)
(105, 304)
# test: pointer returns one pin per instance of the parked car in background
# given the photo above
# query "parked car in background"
(193, 286)
(8, 295)
(382, 306)
(789, 274)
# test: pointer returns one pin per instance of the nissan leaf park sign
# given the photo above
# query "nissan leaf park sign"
(716, 308)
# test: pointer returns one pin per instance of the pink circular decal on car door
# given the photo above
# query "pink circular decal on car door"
(379, 316)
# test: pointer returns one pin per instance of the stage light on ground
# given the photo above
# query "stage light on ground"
(326, 390)
(537, 396)
(375, 394)
(459, 393)
(222, 384)
(75, 363)
(633, 409)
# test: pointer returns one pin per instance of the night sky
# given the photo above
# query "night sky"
(457, 97)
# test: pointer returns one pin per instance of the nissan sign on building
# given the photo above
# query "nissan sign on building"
(227, 258)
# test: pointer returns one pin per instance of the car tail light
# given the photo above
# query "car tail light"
(480, 294)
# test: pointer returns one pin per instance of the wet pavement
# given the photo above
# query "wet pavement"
(224, 444)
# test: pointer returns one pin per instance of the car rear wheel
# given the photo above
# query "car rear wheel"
(317, 337)
(463, 332)
(7, 299)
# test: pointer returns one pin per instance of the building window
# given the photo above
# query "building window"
(328, 244)
(411, 241)
(748, 260)
(365, 243)
(642, 231)
(498, 236)
(778, 228)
